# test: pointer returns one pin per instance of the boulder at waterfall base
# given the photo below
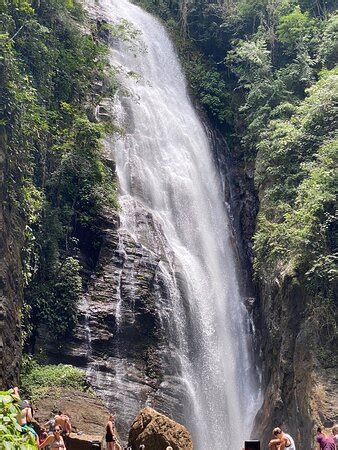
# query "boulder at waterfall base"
(157, 432)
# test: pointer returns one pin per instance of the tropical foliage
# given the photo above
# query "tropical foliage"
(52, 61)
(12, 436)
(40, 380)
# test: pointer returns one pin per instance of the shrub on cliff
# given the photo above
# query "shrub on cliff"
(39, 380)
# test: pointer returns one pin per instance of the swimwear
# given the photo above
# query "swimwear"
(292, 442)
(58, 443)
(109, 436)
(25, 427)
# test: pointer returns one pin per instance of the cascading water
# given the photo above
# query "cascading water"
(165, 167)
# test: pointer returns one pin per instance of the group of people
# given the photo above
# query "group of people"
(324, 441)
(53, 431)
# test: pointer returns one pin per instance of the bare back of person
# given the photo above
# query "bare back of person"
(25, 415)
(281, 441)
(63, 421)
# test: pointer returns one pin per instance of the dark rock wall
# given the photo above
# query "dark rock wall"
(299, 392)
(11, 237)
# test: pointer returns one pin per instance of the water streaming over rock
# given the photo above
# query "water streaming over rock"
(166, 171)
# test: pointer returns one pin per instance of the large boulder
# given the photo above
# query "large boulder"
(157, 432)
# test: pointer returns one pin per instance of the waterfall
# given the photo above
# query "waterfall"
(166, 169)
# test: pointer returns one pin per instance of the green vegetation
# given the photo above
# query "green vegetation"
(38, 380)
(295, 168)
(11, 435)
(52, 62)
(265, 72)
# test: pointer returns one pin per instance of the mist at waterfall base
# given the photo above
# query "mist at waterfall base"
(165, 168)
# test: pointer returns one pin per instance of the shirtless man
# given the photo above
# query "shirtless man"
(25, 418)
(63, 421)
(281, 441)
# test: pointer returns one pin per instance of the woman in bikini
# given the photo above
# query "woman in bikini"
(110, 434)
(55, 441)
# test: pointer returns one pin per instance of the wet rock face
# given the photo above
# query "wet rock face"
(11, 239)
(120, 338)
(299, 393)
(157, 432)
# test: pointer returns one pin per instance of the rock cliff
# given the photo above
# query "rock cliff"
(11, 239)
(300, 392)
(120, 339)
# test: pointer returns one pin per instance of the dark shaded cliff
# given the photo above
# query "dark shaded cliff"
(299, 388)
(11, 283)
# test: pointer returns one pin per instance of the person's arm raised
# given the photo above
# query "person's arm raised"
(49, 440)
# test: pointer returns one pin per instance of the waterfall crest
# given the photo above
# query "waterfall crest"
(166, 171)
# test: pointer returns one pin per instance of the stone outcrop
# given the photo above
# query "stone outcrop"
(157, 432)
(11, 239)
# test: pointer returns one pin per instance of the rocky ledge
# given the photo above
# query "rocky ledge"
(88, 414)
(89, 417)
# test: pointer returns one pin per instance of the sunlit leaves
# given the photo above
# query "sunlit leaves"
(296, 166)
(38, 380)
(12, 436)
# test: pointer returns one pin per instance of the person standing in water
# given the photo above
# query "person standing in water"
(281, 440)
(110, 434)
(324, 441)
